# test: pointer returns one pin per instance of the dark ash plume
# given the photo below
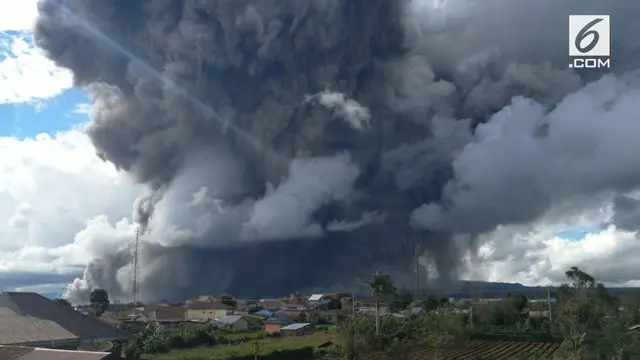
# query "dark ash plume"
(264, 127)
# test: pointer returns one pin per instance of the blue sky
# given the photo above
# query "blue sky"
(38, 105)
(578, 233)
(57, 114)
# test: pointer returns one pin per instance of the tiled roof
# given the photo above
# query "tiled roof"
(26, 353)
(32, 305)
(19, 329)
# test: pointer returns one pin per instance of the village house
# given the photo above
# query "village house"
(296, 299)
(233, 323)
(170, 319)
(295, 311)
(273, 325)
(314, 298)
(166, 314)
(270, 304)
(296, 329)
(209, 310)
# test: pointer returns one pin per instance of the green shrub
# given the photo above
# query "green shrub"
(157, 343)
(132, 351)
(292, 354)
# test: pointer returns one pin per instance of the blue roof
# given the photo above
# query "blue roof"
(265, 313)
(295, 326)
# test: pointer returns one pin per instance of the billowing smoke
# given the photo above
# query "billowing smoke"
(299, 144)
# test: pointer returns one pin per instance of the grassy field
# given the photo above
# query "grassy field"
(222, 351)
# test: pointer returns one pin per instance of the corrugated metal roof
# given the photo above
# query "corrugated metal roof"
(26, 353)
(315, 297)
(19, 329)
(13, 352)
(229, 319)
(32, 305)
(295, 326)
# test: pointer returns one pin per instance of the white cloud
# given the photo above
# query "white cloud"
(354, 114)
(83, 108)
(18, 15)
(535, 255)
(60, 206)
(26, 75)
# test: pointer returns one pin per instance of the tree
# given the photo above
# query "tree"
(402, 300)
(517, 302)
(431, 303)
(589, 319)
(228, 300)
(581, 282)
(381, 286)
(256, 347)
(62, 301)
(334, 304)
(99, 301)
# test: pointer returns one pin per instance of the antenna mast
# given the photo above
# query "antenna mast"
(417, 264)
(136, 269)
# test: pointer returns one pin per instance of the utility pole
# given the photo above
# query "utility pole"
(135, 286)
(549, 305)
(417, 264)
(353, 306)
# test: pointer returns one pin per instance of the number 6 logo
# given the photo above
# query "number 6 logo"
(589, 35)
(586, 31)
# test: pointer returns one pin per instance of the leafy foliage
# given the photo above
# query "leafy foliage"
(99, 300)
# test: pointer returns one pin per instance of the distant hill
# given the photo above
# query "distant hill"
(50, 295)
(468, 289)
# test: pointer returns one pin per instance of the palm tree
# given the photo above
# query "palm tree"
(381, 286)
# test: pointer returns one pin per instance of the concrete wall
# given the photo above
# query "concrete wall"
(207, 313)
(272, 328)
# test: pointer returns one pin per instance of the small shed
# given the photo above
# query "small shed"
(274, 324)
(297, 329)
(233, 323)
